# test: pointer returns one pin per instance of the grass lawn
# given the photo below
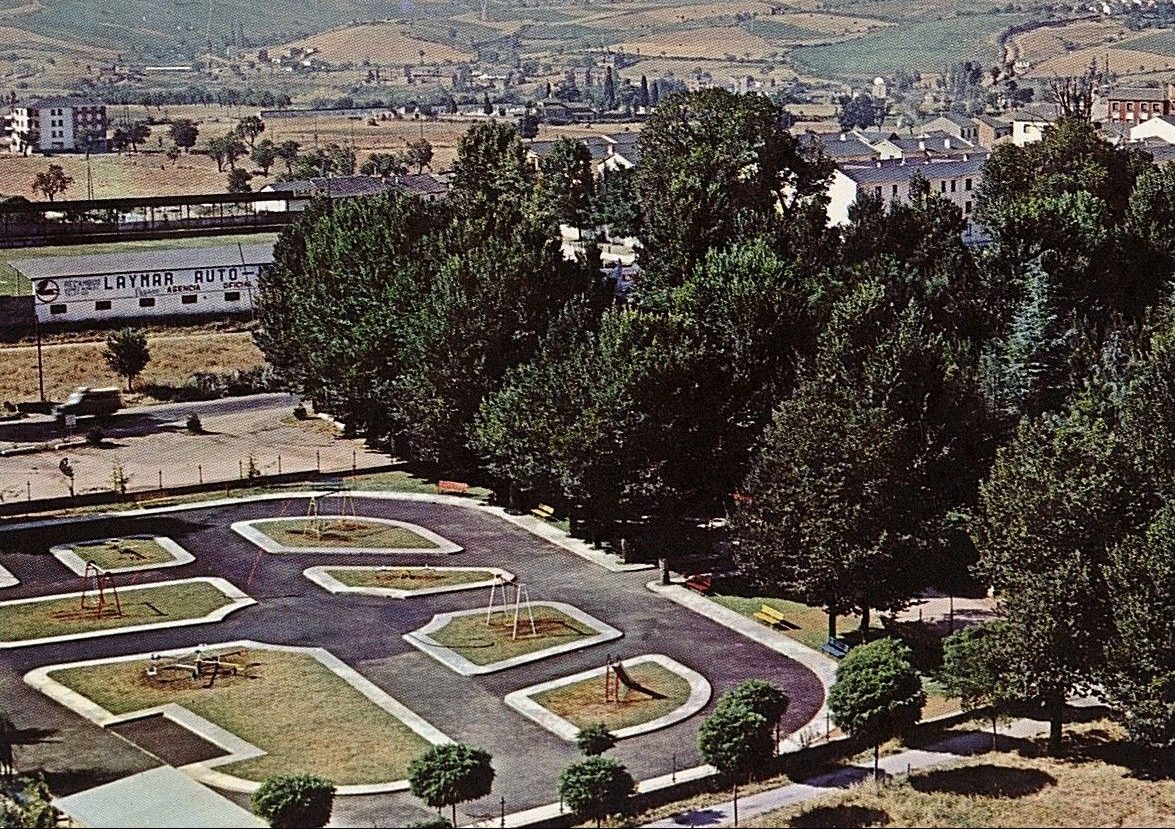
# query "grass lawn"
(408, 578)
(583, 702)
(61, 617)
(112, 553)
(306, 717)
(1095, 786)
(484, 644)
(398, 481)
(808, 625)
(342, 532)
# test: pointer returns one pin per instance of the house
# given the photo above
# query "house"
(950, 123)
(922, 146)
(954, 179)
(1161, 126)
(427, 186)
(624, 152)
(297, 195)
(842, 147)
(1138, 103)
(990, 131)
(567, 112)
(58, 125)
(1030, 122)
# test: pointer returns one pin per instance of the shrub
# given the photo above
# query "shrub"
(301, 800)
(195, 425)
(300, 412)
(95, 436)
(594, 739)
(596, 788)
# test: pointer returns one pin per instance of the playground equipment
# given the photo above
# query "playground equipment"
(99, 591)
(196, 664)
(501, 586)
(320, 521)
(615, 677)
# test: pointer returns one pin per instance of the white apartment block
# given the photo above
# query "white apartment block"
(57, 125)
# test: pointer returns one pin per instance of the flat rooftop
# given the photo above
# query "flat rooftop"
(144, 260)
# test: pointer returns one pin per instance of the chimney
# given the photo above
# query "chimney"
(946, 143)
(921, 145)
(879, 163)
(843, 137)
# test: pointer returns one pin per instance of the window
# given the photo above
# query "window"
(1130, 106)
(57, 309)
(967, 208)
(967, 185)
(102, 305)
(147, 302)
(232, 296)
(877, 192)
(942, 186)
(1145, 107)
(895, 191)
(954, 184)
(1116, 106)
(188, 299)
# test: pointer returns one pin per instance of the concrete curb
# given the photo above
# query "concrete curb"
(421, 640)
(179, 556)
(239, 749)
(7, 579)
(321, 575)
(441, 546)
(823, 667)
(239, 600)
(524, 703)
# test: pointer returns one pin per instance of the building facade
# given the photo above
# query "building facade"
(58, 125)
(1138, 104)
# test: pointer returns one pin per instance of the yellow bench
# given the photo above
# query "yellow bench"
(543, 511)
(768, 615)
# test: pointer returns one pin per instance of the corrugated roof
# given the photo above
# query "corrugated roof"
(894, 173)
(164, 797)
(1138, 93)
(143, 260)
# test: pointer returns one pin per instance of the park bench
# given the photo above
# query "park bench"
(771, 617)
(836, 648)
(451, 488)
(543, 511)
(700, 583)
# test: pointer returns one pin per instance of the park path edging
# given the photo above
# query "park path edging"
(66, 555)
(250, 531)
(238, 749)
(6, 578)
(239, 600)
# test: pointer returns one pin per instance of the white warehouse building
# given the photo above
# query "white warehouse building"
(137, 284)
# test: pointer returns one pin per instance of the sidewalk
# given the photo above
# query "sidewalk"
(752, 806)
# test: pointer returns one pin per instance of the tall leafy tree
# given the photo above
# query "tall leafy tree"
(449, 774)
(596, 788)
(736, 741)
(184, 133)
(568, 182)
(976, 669)
(127, 353)
(250, 128)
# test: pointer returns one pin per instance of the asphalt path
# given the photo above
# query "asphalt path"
(366, 633)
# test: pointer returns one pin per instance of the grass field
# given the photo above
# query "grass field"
(408, 578)
(174, 358)
(1096, 785)
(113, 553)
(304, 716)
(61, 617)
(483, 644)
(582, 703)
(398, 481)
(926, 46)
(378, 43)
(342, 532)
(807, 625)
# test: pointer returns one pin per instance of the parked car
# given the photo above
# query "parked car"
(87, 402)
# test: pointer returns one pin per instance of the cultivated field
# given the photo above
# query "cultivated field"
(706, 42)
(378, 43)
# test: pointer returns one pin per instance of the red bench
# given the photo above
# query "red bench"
(451, 488)
(700, 583)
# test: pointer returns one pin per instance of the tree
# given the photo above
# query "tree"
(717, 167)
(238, 181)
(383, 164)
(877, 694)
(249, 128)
(617, 203)
(609, 89)
(977, 671)
(264, 155)
(184, 133)
(862, 111)
(642, 98)
(52, 181)
(452, 773)
(173, 154)
(569, 182)
(226, 149)
(528, 126)
(287, 151)
(419, 154)
(292, 801)
(127, 353)
(7, 736)
(486, 106)
(594, 739)
(137, 133)
(596, 788)
(736, 741)
(758, 696)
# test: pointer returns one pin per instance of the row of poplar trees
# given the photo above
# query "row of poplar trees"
(880, 407)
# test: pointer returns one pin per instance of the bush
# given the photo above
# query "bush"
(434, 822)
(300, 412)
(596, 788)
(195, 425)
(594, 739)
(301, 800)
(95, 436)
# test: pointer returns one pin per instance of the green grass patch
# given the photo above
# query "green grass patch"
(408, 578)
(582, 703)
(398, 481)
(926, 46)
(806, 624)
(14, 284)
(113, 553)
(342, 532)
(304, 716)
(151, 605)
(482, 644)
(1159, 42)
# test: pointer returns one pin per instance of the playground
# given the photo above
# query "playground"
(122, 555)
(295, 711)
(100, 608)
(513, 613)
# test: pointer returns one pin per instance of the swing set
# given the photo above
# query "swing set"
(501, 588)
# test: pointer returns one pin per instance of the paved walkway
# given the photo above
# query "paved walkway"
(904, 762)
